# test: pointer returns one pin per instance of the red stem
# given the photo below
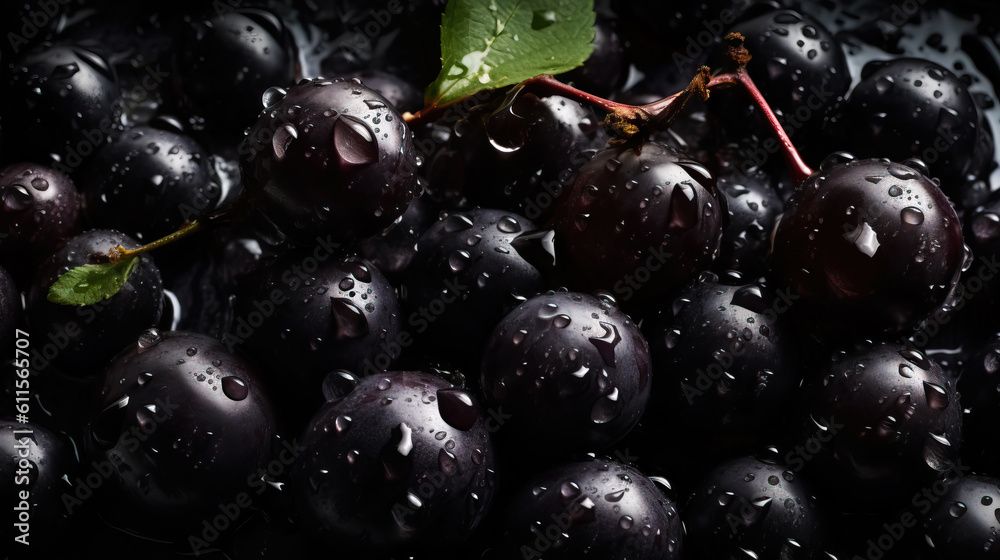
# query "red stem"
(797, 168)
(659, 113)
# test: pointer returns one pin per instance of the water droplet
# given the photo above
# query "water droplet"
(915, 357)
(447, 462)
(235, 388)
(458, 408)
(148, 339)
(905, 370)
(272, 96)
(509, 224)
(911, 215)
(615, 496)
(192, 351)
(65, 71)
(282, 139)
(957, 509)
(937, 397)
(16, 197)
(348, 318)
(864, 238)
(342, 423)
(625, 522)
(354, 142)
(606, 343)
(683, 210)
(540, 19)
(459, 260)
(569, 490)
(40, 184)
(338, 384)
(457, 222)
(561, 321)
(607, 408)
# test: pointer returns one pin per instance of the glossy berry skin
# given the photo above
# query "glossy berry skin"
(59, 99)
(403, 95)
(724, 360)
(890, 420)
(871, 239)
(39, 210)
(598, 508)
(183, 425)
(799, 67)
(37, 468)
(962, 524)
(638, 223)
(754, 206)
(83, 338)
(329, 157)
(148, 182)
(571, 371)
(392, 251)
(300, 325)
(754, 507)
(518, 157)
(246, 51)
(978, 386)
(403, 459)
(915, 108)
(467, 271)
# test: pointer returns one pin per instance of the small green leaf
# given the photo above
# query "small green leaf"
(487, 44)
(91, 283)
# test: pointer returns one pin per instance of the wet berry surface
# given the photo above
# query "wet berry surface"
(531, 324)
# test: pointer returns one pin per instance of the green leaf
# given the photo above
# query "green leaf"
(91, 283)
(487, 44)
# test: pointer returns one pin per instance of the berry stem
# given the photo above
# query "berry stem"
(796, 166)
(119, 253)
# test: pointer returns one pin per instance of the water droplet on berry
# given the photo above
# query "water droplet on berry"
(282, 139)
(348, 318)
(16, 197)
(235, 388)
(457, 408)
(272, 96)
(148, 339)
(354, 141)
(911, 215)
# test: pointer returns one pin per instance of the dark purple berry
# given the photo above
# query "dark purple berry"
(182, 426)
(403, 459)
(638, 222)
(328, 158)
(599, 509)
(869, 247)
(83, 338)
(571, 372)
